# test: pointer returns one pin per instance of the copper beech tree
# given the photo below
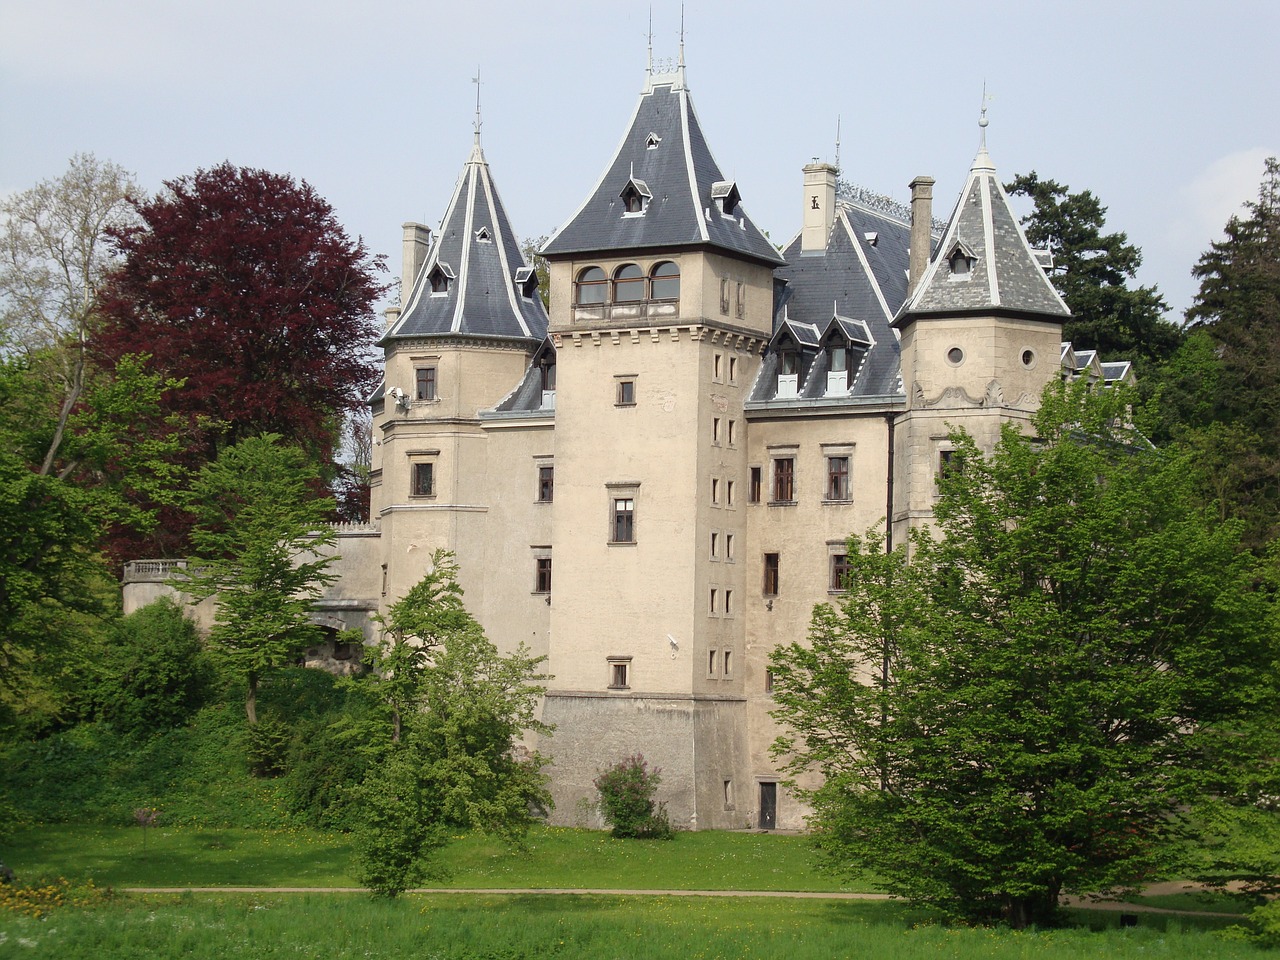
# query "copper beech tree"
(244, 284)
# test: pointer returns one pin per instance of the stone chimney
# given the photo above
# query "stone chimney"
(819, 207)
(417, 243)
(921, 230)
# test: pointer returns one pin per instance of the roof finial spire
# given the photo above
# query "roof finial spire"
(837, 143)
(476, 81)
(682, 36)
(649, 68)
(982, 118)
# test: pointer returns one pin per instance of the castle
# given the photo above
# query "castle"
(652, 485)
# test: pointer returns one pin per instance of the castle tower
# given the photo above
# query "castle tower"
(981, 338)
(662, 295)
(470, 320)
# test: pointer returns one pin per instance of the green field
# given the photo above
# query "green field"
(430, 926)
(556, 857)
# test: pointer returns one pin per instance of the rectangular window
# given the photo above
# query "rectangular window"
(626, 393)
(733, 369)
(837, 478)
(839, 570)
(619, 673)
(728, 794)
(742, 300)
(728, 664)
(715, 545)
(733, 429)
(728, 493)
(425, 383)
(768, 681)
(771, 574)
(715, 596)
(755, 491)
(542, 575)
(624, 520)
(724, 296)
(384, 579)
(784, 479)
(728, 546)
(546, 484)
(728, 603)
(715, 429)
(715, 491)
(424, 480)
(949, 462)
(716, 362)
(711, 662)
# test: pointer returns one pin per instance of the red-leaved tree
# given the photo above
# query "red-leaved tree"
(244, 284)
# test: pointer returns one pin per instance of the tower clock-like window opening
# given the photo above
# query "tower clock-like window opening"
(628, 284)
(664, 282)
(591, 286)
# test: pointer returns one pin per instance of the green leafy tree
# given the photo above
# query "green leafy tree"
(263, 549)
(626, 800)
(459, 709)
(1028, 706)
(1092, 270)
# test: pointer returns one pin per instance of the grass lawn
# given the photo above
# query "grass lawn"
(427, 927)
(557, 857)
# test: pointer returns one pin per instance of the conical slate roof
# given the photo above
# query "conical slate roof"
(475, 279)
(984, 236)
(683, 196)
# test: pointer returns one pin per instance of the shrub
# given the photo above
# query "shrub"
(626, 800)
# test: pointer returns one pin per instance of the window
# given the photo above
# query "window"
(384, 579)
(619, 673)
(626, 393)
(771, 571)
(623, 528)
(728, 603)
(837, 478)
(742, 300)
(424, 484)
(715, 429)
(728, 546)
(546, 484)
(768, 681)
(733, 429)
(715, 367)
(949, 462)
(715, 491)
(632, 198)
(715, 596)
(547, 370)
(728, 794)
(715, 545)
(482, 235)
(425, 380)
(728, 493)
(955, 356)
(712, 657)
(664, 282)
(591, 286)
(542, 575)
(733, 369)
(439, 280)
(784, 480)
(728, 664)
(724, 296)
(628, 284)
(755, 488)
(839, 571)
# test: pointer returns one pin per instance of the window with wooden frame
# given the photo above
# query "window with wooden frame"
(619, 673)
(424, 480)
(837, 478)
(542, 575)
(546, 483)
(772, 572)
(424, 382)
(784, 479)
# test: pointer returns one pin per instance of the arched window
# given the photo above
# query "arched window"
(628, 284)
(591, 286)
(439, 281)
(664, 282)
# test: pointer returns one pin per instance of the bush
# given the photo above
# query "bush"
(626, 800)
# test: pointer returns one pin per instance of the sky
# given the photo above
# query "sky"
(1165, 110)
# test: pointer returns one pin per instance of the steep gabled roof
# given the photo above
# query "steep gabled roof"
(689, 201)
(477, 263)
(999, 270)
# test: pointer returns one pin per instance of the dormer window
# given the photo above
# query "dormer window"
(788, 374)
(635, 197)
(961, 261)
(482, 235)
(651, 142)
(725, 197)
(527, 282)
(439, 278)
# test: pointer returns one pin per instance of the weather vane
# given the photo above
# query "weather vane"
(476, 81)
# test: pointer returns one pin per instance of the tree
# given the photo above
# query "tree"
(1091, 270)
(55, 255)
(626, 800)
(529, 249)
(459, 710)
(1029, 705)
(257, 523)
(243, 283)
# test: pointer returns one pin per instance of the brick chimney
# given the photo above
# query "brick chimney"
(921, 230)
(416, 245)
(819, 207)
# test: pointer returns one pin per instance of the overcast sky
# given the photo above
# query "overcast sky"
(1165, 110)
